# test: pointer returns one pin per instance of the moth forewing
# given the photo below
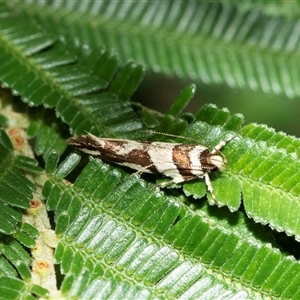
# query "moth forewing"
(178, 161)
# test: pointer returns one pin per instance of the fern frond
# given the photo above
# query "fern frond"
(16, 194)
(212, 42)
(263, 170)
(52, 77)
(48, 131)
(14, 259)
(86, 286)
(13, 288)
(120, 227)
(259, 132)
(119, 235)
(15, 189)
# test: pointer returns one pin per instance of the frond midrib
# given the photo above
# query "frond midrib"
(171, 36)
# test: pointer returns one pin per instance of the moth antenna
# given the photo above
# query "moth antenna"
(172, 135)
(223, 143)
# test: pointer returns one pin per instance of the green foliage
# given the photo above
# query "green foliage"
(63, 89)
(45, 127)
(12, 288)
(120, 236)
(17, 195)
(129, 228)
(215, 42)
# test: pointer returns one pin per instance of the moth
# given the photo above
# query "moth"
(181, 162)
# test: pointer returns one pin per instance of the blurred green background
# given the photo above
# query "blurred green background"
(277, 111)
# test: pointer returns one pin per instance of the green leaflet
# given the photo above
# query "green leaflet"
(270, 189)
(262, 169)
(13, 288)
(15, 189)
(110, 225)
(107, 114)
(238, 44)
(85, 286)
(48, 131)
(16, 192)
(53, 77)
(132, 230)
(259, 132)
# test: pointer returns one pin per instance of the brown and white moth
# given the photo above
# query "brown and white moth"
(180, 162)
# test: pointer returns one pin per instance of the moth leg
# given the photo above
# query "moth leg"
(210, 188)
(142, 170)
(177, 180)
(188, 178)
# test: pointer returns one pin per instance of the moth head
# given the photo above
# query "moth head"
(212, 161)
(218, 160)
